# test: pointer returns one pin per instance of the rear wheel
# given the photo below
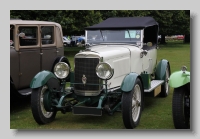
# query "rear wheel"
(181, 107)
(40, 115)
(165, 87)
(131, 106)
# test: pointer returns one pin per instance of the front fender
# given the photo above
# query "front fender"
(179, 78)
(128, 82)
(41, 79)
(161, 69)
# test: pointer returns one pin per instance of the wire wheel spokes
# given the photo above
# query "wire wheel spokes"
(136, 103)
(45, 113)
(167, 80)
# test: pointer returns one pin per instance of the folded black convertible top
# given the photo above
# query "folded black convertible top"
(124, 23)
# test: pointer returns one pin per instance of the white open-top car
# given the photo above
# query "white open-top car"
(116, 70)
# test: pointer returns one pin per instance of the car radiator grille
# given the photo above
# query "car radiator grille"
(87, 67)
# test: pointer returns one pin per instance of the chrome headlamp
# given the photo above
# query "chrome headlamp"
(104, 71)
(61, 70)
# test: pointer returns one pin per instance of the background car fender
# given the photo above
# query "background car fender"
(41, 79)
(128, 82)
(161, 69)
(179, 78)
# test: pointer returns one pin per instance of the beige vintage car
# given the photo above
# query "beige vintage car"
(34, 46)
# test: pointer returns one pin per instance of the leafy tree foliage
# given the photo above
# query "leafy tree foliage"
(171, 22)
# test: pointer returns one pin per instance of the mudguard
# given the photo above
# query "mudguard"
(161, 69)
(41, 79)
(128, 82)
(179, 78)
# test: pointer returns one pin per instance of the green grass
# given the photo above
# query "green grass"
(177, 53)
(156, 115)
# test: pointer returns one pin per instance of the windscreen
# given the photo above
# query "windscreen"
(113, 36)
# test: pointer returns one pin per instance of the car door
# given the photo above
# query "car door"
(149, 60)
(48, 46)
(29, 54)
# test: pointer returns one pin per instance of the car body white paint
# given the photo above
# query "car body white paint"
(123, 59)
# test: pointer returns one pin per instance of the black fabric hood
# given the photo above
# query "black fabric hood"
(124, 23)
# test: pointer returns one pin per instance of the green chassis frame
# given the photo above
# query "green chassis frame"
(76, 101)
(66, 100)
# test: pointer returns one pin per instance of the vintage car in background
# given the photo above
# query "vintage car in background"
(180, 37)
(180, 81)
(34, 46)
(66, 41)
(116, 70)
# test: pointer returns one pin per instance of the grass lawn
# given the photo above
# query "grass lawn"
(156, 115)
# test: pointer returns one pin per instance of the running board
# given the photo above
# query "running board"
(155, 88)
(25, 92)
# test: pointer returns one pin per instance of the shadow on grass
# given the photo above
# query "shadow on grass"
(19, 104)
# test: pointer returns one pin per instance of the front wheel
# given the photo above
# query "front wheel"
(181, 107)
(40, 115)
(131, 106)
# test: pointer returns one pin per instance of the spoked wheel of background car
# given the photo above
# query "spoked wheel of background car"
(40, 115)
(132, 106)
(181, 107)
(165, 87)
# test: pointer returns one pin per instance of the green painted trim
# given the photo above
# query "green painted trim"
(179, 78)
(161, 69)
(116, 107)
(47, 101)
(86, 99)
(146, 78)
(101, 99)
(128, 82)
(41, 79)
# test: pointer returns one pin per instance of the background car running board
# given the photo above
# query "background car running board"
(25, 92)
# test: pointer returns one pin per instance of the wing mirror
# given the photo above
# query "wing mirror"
(149, 44)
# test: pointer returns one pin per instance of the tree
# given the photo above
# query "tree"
(187, 34)
(73, 22)
(163, 17)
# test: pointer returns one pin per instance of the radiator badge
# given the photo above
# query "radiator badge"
(84, 79)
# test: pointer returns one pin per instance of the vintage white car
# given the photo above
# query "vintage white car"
(116, 70)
